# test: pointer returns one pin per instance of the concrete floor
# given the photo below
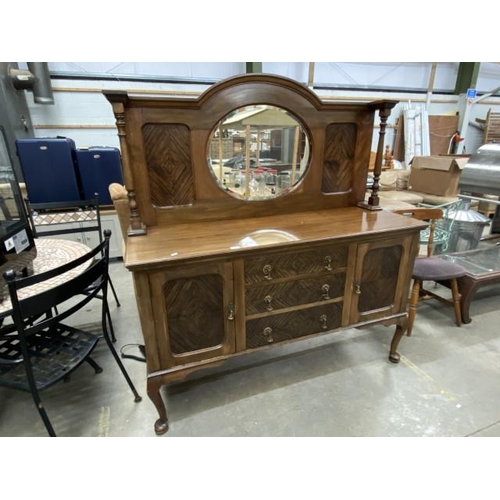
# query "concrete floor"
(340, 384)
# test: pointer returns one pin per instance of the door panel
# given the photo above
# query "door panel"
(195, 312)
(381, 279)
(192, 312)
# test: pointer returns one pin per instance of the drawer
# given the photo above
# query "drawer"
(288, 265)
(291, 325)
(292, 293)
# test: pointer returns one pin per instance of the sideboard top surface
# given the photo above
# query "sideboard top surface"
(192, 241)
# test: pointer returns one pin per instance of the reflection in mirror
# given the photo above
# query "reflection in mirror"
(266, 237)
(9, 211)
(258, 152)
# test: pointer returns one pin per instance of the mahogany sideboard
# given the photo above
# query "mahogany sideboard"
(218, 274)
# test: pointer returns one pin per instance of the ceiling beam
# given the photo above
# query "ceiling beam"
(466, 77)
(254, 67)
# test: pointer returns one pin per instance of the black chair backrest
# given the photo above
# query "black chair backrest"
(60, 290)
(46, 217)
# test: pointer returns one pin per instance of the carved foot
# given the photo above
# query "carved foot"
(465, 308)
(467, 288)
(154, 386)
(161, 426)
(394, 357)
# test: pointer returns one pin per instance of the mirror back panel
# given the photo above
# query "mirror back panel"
(166, 144)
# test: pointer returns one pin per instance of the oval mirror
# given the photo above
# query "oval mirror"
(258, 152)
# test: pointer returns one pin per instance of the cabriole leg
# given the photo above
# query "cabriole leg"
(153, 388)
(394, 356)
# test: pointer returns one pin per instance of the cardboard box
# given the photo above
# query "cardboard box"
(438, 175)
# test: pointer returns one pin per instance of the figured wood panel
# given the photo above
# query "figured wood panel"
(282, 266)
(292, 293)
(292, 325)
(340, 145)
(379, 278)
(168, 157)
(195, 312)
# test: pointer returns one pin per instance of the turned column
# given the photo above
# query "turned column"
(118, 101)
(384, 113)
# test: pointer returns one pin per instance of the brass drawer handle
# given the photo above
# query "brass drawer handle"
(267, 269)
(267, 300)
(230, 309)
(357, 288)
(323, 320)
(268, 333)
(328, 263)
(325, 289)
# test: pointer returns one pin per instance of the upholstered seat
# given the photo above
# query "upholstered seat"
(436, 269)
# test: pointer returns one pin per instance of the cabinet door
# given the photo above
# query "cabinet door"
(381, 278)
(193, 311)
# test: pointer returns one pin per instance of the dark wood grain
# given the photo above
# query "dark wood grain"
(325, 259)
(168, 157)
(339, 155)
(282, 295)
(380, 274)
(195, 313)
(292, 325)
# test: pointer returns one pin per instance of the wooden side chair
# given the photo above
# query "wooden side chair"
(432, 268)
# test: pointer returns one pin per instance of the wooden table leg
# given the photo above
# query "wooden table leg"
(468, 287)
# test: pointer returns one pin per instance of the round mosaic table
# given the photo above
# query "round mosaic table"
(51, 253)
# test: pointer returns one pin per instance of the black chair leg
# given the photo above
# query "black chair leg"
(110, 323)
(114, 292)
(137, 398)
(93, 364)
(42, 412)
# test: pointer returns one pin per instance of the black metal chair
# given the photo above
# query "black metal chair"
(60, 218)
(43, 349)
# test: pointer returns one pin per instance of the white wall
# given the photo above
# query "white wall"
(194, 70)
(403, 75)
(396, 75)
(85, 107)
(82, 113)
